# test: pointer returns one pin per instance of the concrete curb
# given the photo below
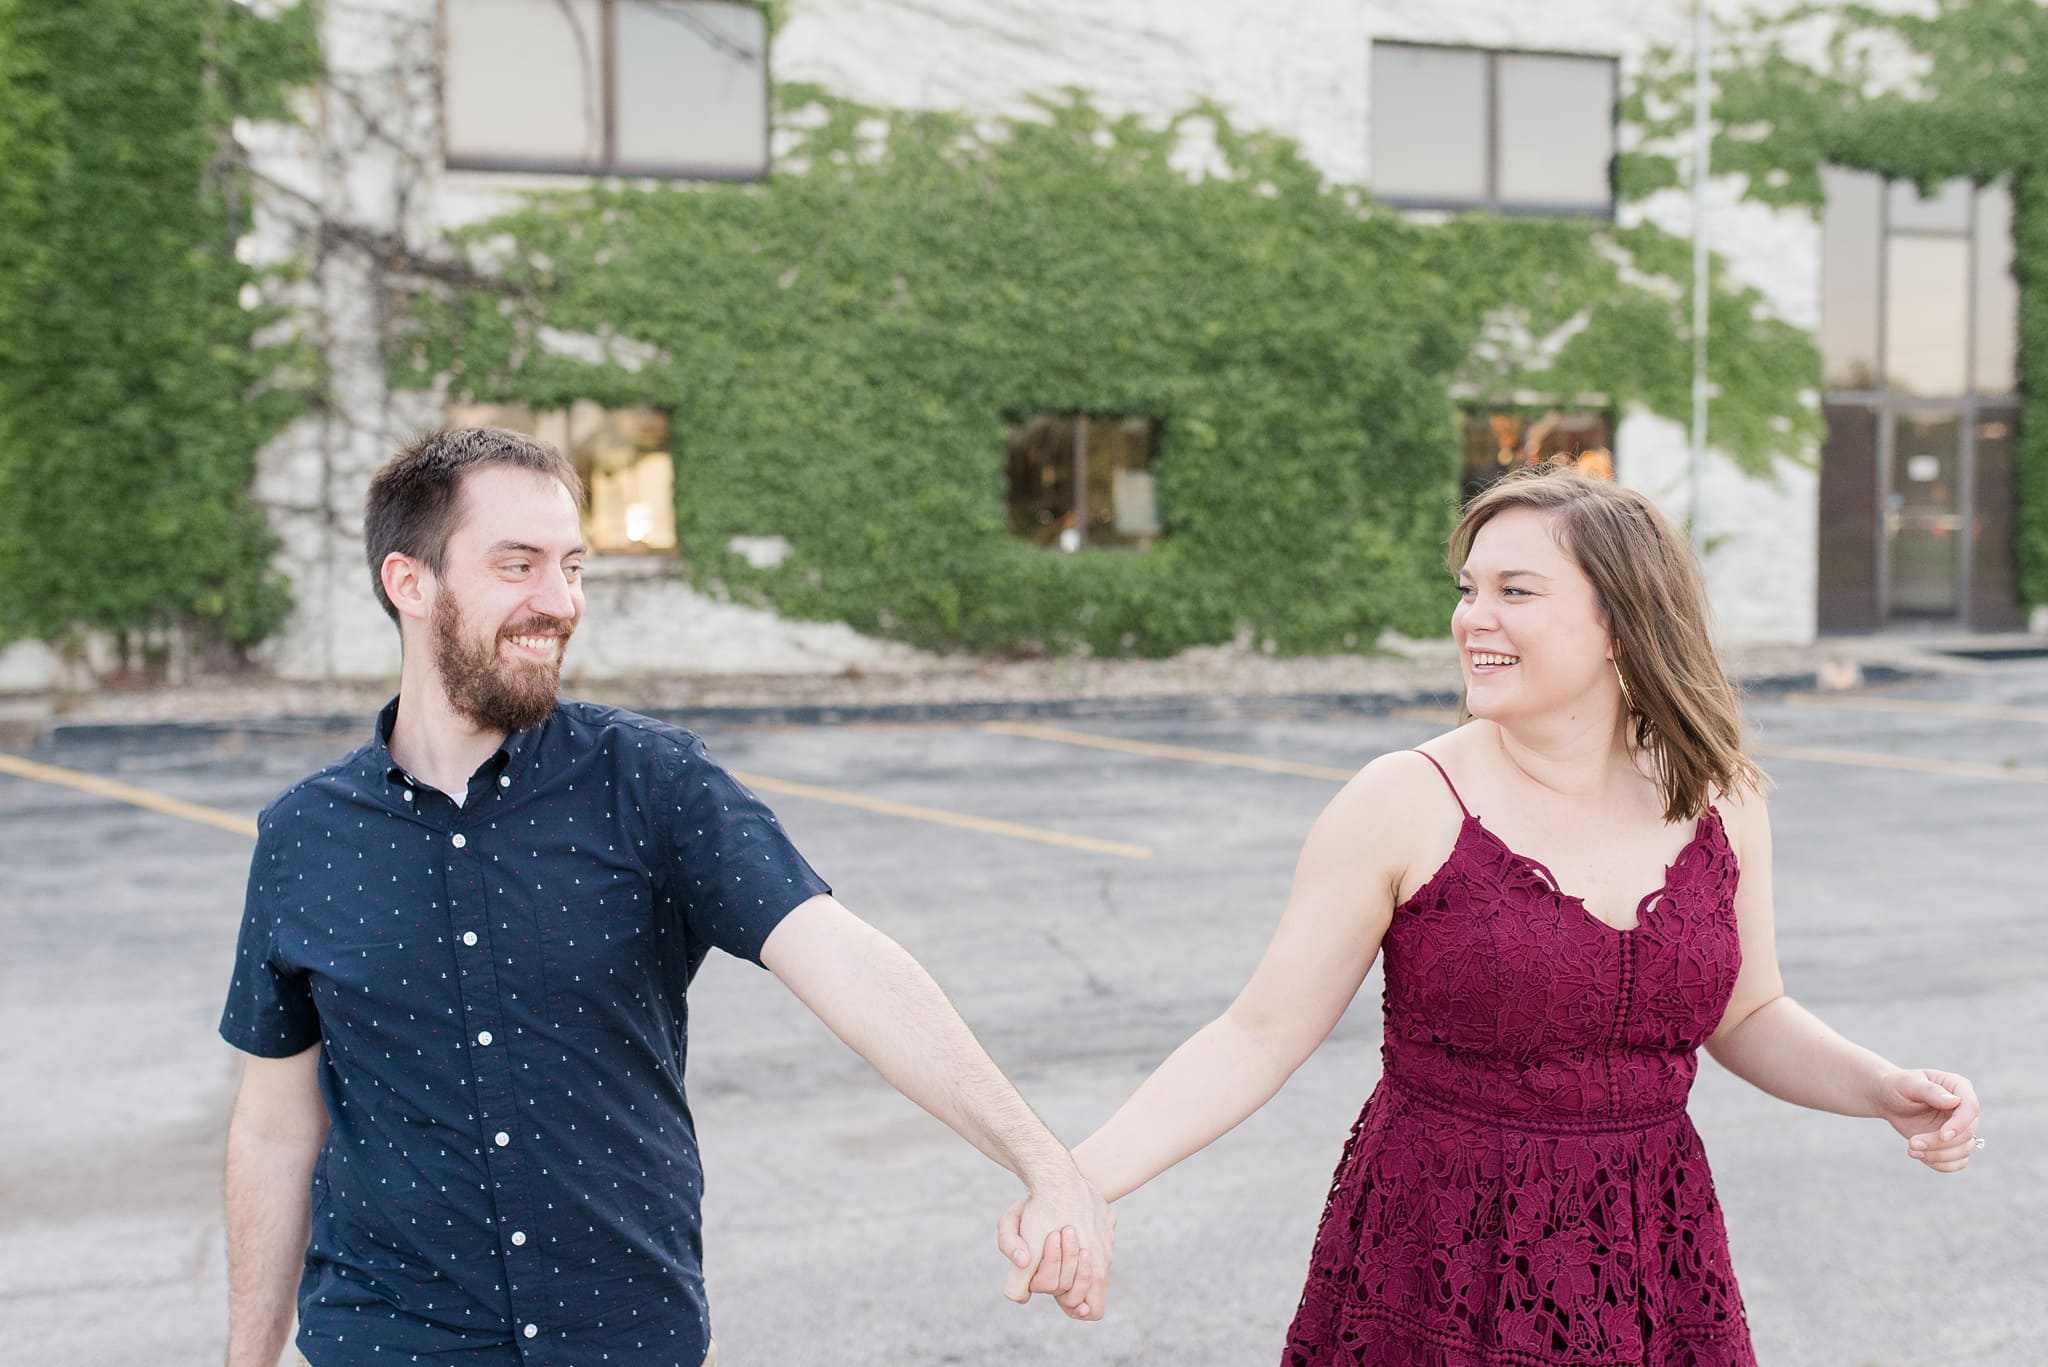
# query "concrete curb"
(57, 734)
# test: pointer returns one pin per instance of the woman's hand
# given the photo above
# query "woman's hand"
(1935, 1111)
(1076, 1277)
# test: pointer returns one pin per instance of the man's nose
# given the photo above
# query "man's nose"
(555, 595)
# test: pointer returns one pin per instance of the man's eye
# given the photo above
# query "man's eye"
(573, 571)
(518, 566)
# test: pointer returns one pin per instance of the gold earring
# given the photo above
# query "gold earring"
(1628, 699)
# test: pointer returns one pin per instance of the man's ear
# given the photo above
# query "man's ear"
(408, 584)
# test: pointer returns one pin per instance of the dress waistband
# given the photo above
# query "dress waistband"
(1622, 1124)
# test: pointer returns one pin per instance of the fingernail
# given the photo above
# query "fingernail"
(1021, 1258)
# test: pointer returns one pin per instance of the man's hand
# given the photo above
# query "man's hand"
(1060, 1241)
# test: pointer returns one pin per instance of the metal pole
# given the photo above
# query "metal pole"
(1701, 146)
(1080, 479)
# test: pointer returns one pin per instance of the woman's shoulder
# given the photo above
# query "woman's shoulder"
(1407, 795)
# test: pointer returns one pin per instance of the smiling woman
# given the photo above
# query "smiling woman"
(1525, 1184)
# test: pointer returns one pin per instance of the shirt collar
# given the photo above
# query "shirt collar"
(511, 760)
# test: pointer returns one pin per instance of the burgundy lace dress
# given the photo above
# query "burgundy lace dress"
(1523, 1188)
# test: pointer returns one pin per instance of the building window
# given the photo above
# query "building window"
(629, 503)
(672, 88)
(1076, 480)
(1510, 132)
(1917, 293)
(1498, 440)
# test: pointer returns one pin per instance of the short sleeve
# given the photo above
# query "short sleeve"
(270, 1008)
(732, 868)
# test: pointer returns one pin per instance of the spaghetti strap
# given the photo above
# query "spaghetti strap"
(1447, 783)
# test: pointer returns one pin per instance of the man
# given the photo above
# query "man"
(462, 1133)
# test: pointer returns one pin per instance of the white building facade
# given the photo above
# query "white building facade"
(441, 113)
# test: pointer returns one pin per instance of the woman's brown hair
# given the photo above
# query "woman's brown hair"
(1684, 710)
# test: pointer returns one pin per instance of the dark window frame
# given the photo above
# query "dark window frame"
(606, 75)
(1491, 201)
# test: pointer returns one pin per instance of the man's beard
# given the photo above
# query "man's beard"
(480, 685)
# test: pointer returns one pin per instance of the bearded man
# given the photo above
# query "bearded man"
(461, 1134)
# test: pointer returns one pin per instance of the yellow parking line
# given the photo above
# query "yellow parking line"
(128, 793)
(1910, 763)
(939, 817)
(1180, 752)
(1975, 711)
(242, 825)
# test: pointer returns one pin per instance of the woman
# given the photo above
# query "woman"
(1524, 1187)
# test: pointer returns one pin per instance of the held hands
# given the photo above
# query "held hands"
(1935, 1111)
(1061, 1243)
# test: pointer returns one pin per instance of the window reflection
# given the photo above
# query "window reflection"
(1428, 122)
(621, 453)
(1851, 227)
(1927, 315)
(1502, 439)
(1556, 130)
(1998, 295)
(1108, 460)
(522, 80)
(690, 87)
(1947, 210)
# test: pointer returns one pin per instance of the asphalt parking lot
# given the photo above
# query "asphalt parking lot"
(1130, 892)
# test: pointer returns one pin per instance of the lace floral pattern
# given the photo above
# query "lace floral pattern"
(1523, 1189)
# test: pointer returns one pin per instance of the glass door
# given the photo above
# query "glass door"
(1923, 517)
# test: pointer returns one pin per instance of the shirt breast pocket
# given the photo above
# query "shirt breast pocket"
(598, 960)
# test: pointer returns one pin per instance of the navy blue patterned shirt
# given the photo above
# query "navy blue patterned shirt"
(497, 990)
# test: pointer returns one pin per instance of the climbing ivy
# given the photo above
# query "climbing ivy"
(133, 396)
(841, 347)
(1803, 89)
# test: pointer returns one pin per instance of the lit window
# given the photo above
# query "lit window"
(1079, 481)
(1460, 128)
(1503, 439)
(622, 455)
(675, 88)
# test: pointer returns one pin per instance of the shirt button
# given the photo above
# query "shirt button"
(530, 1330)
(504, 780)
(458, 840)
(469, 937)
(501, 1139)
(518, 1237)
(408, 794)
(483, 1037)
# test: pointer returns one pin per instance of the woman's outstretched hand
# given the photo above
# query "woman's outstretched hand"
(1935, 1111)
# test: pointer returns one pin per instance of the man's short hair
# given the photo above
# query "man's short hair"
(415, 499)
